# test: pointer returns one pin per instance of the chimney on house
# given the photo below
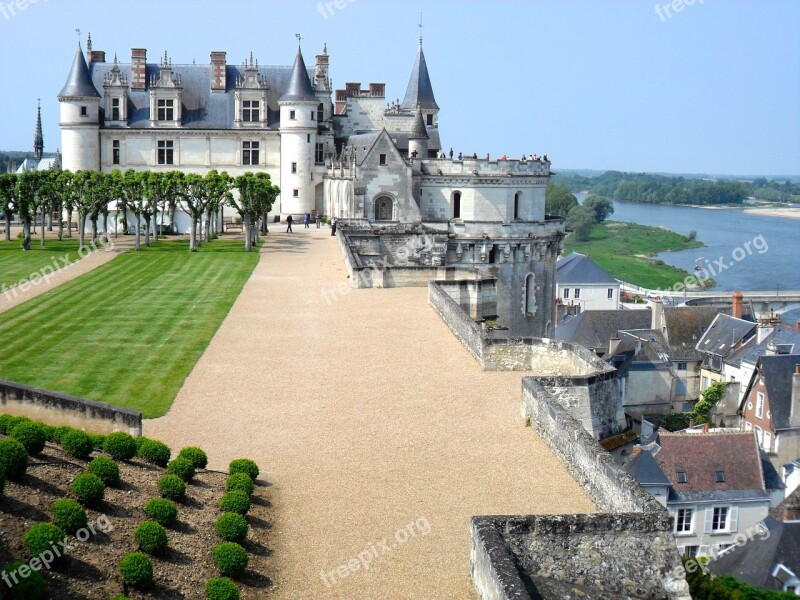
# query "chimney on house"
(219, 68)
(97, 56)
(353, 89)
(794, 415)
(765, 328)
(613, 344)
(738, 301)
(657, 320)
(377, 90)
(138, 69)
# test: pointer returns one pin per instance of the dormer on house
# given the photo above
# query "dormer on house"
(250, 98)
(165, 96)
(115, 97)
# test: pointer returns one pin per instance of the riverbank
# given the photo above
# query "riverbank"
(787, 212)
(625, 250)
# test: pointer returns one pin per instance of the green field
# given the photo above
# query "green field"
(623, 249)
(129, 332)
(16, 265)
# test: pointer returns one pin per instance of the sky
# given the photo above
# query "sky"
(632, 85)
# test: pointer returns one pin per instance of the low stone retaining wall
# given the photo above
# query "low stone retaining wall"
(60, 409)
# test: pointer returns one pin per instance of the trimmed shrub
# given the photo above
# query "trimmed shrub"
(27, 588)
(236, 502)
(89, 489)
(155, 452)
(8, 422)
(13, 459)
(221, 588)
(49, 431)
(68, 515)
(151, 537)
(120, 445)
(240, 482)
(31, 435)
(162, 511)
(171, 487)
(97, 440)
(106, 469)
(244, 465)
(43, 536)
(59, 432)
(195, 456)
(77, 443)
(136, 570)
(230, 558)
(182, 468)
(231, 527)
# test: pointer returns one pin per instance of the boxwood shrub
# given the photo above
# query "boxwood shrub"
(31, 435)
(13, 459)
(68, 515)
(221, 588)
(151, 537)
(7, 423)
(28, 588)
(162, 511)
(236, 502)
(244, 465)
(240, 482)
(97, 440)
(181, 467)
(77, 443)
(231, 527)
(171, 487)
(195, 456)
(136, 570)
(43, 536)
(106, 469)
(59, 432)
(120, 445)
(89, 489)
(154, 452)
(230, 558)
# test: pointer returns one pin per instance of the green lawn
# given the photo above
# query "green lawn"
(129, 332)
(623, 249)
(16, 265)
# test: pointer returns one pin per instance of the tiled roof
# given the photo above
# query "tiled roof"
(420, 91)
(751, 351)
(593, 328)
(685, 326)
(778, 371)
(724, 334)
(299, 88)
(645, 469)
(579, 268)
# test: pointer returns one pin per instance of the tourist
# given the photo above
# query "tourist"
(319, 220)
(306, 220)
(460, 156)
(487, 156)
(289, 220)
(333, 226)
(475, 155)
(451, 154)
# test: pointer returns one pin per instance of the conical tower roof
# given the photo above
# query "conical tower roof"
(420, 90)
(299, 88)
(418, 131)
(79, 83)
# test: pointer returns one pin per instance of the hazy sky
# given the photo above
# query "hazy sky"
(711, 88)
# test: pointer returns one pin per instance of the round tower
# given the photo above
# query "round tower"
(80, 118)
(298, 140)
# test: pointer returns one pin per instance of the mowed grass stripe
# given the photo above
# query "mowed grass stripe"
(129, 332)
(16, 265)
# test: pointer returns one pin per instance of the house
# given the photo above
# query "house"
(725, 335)
(771, 407)
(593, 329)
(717, 486)
(581, 283)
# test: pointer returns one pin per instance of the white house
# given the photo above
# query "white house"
(581, 283)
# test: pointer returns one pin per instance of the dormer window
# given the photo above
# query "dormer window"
(430, 120)
(719, 476)
(682, 476)
(84, 111)
(292, 115)
(251, 111)
(166, 110)
(115, 109)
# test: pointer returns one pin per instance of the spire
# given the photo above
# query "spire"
(420, 90)
(38, 138)
(418, 131)
(79, 83)
(299, 88)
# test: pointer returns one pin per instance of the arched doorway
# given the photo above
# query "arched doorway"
(384, 208)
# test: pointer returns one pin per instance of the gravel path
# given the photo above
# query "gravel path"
(367, 416)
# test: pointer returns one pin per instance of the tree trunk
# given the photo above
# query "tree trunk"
(193, 234)
(155, 222)
(208, 226)
(147, 218)
(94, 230)
(172, 208)
(248, 239)
(138, 247)
(60, 224)
(69, 222)
(81, 231)
(26, 233)
(44, 219)
(124, 211)
(105, 225)
(8, 216)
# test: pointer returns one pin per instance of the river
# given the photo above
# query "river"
(758, 252)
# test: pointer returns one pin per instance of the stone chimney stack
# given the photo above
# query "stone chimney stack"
(138, 69)
(219, 68)
(613, 344)
(658, 322)
(738, 302)
(794, 418)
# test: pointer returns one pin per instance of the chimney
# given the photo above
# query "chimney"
(736, 309)
(97, 56)
(613, 344)
(794, 418)
(219, 71)
(138, 69)
(657, 321)
(377, 90)
(765, 328)
(353, 89)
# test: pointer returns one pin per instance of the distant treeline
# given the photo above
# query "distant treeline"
(645, 188)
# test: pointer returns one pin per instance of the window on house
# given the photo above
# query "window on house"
(313, 114)
(767, 443)
(748, 426)
(250, 153)
(319, 154)
(683, 520)
(760, 435)
(682, 476)
(251, 111)
(690, 551)
(719, 521)
(292, 115)
(457, 205)
(308, 138)
(610, 293)
(115, 152)
(115, 112)
(382, 159)
(703, 382)
(294, 167)
(84, 111)
(166, 110)
(320, 113)
(577, 293)
(166, 152)
(295, 193)
(516, 204)
(682, 366)
(429, 120)
(759, 405)
(719, 476)
(566, 292)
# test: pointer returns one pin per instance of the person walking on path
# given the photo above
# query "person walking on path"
(319, 220)
(289, 220)
(306, 220)
(333, 226)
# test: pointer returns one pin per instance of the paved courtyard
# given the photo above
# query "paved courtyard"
(367, 416)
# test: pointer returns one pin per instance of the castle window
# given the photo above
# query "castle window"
(382, 159)
(719, 519)
(115, 111)
(457, 205)
(250, 153)
(313, 114)
(308, 138)
(295, 193)
(384, 208)
(166, 110)
(610, 293)
(682, 366)
(84, 111)
(319, 154)
(251, 111)
(320, 113)
(115, 152)
(430, 120)
(292, 115)
(294, 168)
(517, 198)
(166, 152)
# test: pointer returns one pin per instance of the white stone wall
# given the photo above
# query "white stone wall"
(748, 517)
(592, 297)
(298, 140)
(492, 201)
(80, 139)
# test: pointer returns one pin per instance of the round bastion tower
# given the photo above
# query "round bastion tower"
(80, 118)
(298, 140)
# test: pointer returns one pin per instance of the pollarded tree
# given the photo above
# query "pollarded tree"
(256, 197)
(129, 187)
(66, 190)
(193, 194)
(93, 190)
(218, 188)
(30, 188)
(8, 200)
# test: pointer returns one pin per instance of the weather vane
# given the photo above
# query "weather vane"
(78, 33)
(299, 39)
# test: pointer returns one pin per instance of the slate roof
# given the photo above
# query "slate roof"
(79, 82)
(778, 372)
(724, 334)
(751, 351)
(420, 90)
(685, 326)
(579, 268)
(755, 561)
(418, 131)
(593, 328)
(299, 88)
(644, 468)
